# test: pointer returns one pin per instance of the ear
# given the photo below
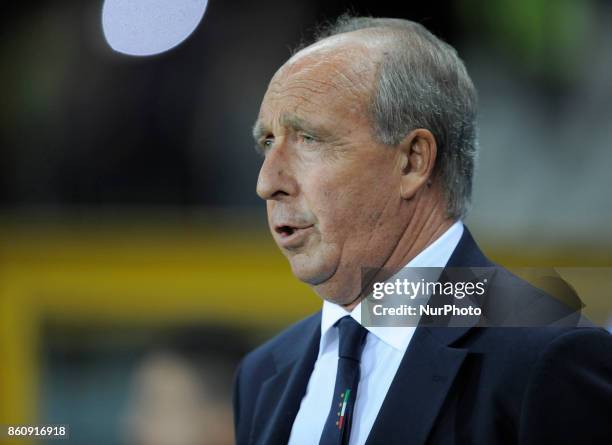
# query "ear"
(417, 156)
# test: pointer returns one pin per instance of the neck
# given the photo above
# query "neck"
(422, 229)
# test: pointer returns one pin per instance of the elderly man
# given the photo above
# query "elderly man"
(369, 139)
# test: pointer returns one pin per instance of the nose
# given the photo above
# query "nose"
(276, 180)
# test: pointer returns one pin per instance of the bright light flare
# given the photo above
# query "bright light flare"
(148, 27)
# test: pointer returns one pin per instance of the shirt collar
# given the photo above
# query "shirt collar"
(436, 254)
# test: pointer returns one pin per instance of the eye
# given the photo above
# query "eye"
(307, 138)
(265, 145)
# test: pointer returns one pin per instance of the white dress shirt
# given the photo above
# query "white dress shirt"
(381, 357)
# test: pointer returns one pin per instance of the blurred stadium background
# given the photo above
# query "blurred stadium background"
(135, 264)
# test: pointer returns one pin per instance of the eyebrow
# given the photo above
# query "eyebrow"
(259, 130)
(291, 121)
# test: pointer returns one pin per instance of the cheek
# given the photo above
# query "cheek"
(343, 209)
(351, 199)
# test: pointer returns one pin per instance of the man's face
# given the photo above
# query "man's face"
(332, 191)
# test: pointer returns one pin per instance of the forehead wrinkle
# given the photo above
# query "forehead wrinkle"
(294, 87)
(363, 79)
(301, 102)
(336, 77)
(356, 54)
(336, 82)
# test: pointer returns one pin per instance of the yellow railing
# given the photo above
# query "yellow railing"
(152, 276)
(149, 275)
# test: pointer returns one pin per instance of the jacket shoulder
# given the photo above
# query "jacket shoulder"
(569, 394)
(282, 346)
(262, 363)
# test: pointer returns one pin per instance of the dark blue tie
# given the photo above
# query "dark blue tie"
(337, 428)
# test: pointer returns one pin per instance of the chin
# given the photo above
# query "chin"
(327, 283)
(335, 292)
(322, 270)
(310, 272)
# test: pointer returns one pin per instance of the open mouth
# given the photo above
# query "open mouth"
(291, 236)
(285, 231)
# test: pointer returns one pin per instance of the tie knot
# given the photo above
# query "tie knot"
(352, 338)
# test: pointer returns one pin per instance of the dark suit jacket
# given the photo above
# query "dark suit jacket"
(548, 385)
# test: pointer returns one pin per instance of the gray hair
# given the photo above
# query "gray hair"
(422, 83)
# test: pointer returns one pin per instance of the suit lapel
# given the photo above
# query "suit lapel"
(419, 389)
(281, 395)
(427, 371)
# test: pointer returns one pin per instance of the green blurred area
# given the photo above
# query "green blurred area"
(545, 38)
